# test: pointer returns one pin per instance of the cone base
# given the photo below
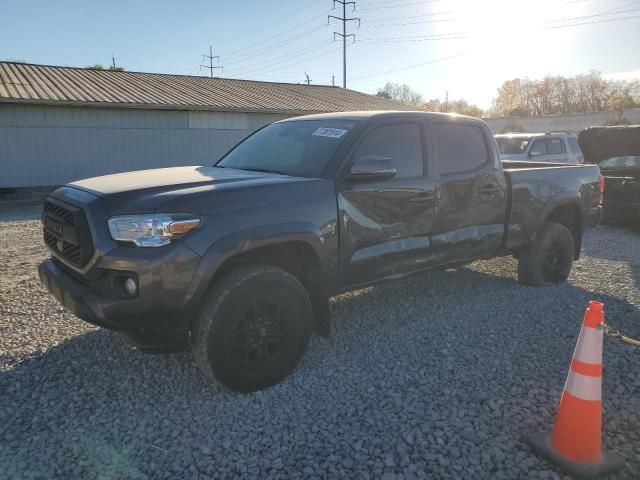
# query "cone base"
(611, 462)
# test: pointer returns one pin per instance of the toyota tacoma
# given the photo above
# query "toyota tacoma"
(237, 261)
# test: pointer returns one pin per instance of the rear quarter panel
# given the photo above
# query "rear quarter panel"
(537, 190)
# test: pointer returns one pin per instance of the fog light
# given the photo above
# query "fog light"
(130, 286)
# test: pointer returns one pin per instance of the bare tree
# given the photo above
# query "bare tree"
(453, 106)
(553, 95)
(402, 93)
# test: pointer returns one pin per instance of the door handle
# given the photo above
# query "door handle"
(423, 197)
(489, 188)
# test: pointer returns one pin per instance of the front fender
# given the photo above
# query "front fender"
(323, 243)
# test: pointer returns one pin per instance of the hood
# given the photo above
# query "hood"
(148, 190)
(599, 143)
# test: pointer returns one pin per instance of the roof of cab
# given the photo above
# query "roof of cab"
(362, 115)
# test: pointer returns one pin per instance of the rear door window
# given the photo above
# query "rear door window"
(459, 147)
(556, 146)
(539, 147)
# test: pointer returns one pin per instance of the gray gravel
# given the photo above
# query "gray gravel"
(439, 376)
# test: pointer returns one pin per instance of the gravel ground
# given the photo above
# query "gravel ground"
(439, 376)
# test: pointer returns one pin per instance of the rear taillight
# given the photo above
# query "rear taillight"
(602, 183)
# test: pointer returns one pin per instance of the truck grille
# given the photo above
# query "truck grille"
(66, 232)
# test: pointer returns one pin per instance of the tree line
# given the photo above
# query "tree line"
(405, 94)
(525, 97)
(561, 95)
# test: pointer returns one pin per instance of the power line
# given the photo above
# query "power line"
(281, 68)
(592, 23)
(409, 23)
(283, 58)
(396, 2)
(279, 34)
(570, 19)
(211, 66)
(268, 24)
(437, 60)
(397, 5)
(344, 34)
(413, 40)
(258, 52)
(406, 17)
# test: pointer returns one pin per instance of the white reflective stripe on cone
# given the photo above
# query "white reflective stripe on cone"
(584, 386)
(589, 346)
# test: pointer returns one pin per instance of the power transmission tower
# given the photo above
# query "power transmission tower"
(308, 80)
(344, 35)
(211, 66)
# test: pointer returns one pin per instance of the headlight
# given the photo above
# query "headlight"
(153, 230)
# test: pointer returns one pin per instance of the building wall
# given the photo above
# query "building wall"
(48, 145)
(569, 123)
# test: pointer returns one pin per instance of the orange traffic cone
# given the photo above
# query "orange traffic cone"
(575, 444)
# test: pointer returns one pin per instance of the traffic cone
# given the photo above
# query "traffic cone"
(575, 444)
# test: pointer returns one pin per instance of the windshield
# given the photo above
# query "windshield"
(300, 148)
(621, 162)
(511, 145)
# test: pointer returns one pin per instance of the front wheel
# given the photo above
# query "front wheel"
(548, 258)
(253, 329)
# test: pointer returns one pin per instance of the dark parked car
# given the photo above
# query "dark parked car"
(616, 150)
(237, 261)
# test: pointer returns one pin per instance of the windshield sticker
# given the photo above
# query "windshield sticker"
(329, 132)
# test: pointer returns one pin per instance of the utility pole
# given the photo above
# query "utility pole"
(211, 66)
(446, 100)
(308, 80)
(344, 35)
(333, 79)
(113, 61)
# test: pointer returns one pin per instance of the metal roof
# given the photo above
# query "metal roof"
(41, 84)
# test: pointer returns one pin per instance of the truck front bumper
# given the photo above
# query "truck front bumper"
(156, 318)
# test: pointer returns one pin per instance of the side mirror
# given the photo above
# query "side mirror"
(372, 167)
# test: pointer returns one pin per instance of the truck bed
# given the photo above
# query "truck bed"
(511, 165)
(533, 184)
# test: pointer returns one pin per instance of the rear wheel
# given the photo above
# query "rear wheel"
(548, 258)
(253, 329)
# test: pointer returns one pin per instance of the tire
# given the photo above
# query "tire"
(548, 258)
(253, 329)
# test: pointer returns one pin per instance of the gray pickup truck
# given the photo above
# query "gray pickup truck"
(237, 261)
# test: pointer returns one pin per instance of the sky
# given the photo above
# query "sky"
(464, 47)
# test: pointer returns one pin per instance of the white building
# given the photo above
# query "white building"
(59, 124)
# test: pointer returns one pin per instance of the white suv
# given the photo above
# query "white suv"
(540, 147)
